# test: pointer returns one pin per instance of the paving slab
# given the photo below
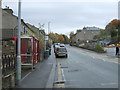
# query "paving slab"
(38, 78)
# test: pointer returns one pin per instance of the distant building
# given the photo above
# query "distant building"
(10, 29)
(86, 34)
(91, 28)
(10, 25)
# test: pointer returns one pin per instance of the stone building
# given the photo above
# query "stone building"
(86, 34)
(10, 25)
(40, 34)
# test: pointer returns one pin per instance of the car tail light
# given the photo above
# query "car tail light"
(56, 51)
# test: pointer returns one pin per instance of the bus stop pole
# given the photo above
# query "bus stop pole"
(18, 71)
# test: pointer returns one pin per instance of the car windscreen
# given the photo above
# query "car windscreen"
(61, 49)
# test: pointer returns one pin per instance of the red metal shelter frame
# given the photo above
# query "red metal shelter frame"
(30, 51)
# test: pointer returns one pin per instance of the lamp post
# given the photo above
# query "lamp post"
(18, 71)
(0, 3)
(49, 27)
(1, 44)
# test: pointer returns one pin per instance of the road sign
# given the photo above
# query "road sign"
(46, 38)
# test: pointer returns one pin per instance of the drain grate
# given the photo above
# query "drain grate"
(64, 67)
(59, 84)
(76, 70)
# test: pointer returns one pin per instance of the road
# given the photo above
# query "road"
(86, 69)
(82, 69)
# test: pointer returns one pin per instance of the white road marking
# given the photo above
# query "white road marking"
(25, 76)
(50, 63)
(63, 76)
(104, 60)
(113, 83)
(93, 57)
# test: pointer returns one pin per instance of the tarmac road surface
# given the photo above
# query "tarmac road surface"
(86, 69)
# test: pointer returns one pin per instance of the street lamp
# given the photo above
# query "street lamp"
(0, 3)
(18, 71)
(49, 27)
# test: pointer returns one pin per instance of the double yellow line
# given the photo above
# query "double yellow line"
(59, 83)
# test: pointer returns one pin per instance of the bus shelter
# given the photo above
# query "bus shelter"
(30, 51)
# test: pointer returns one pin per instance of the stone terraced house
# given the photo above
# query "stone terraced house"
(86, 34)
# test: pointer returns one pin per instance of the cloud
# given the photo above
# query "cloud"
(68, 16)
(62, 0)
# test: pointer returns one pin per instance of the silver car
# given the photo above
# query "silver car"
(61, 51)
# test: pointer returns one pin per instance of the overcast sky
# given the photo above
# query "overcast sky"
(67, 16)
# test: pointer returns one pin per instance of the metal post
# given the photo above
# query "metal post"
(48, 27)
(18, 71)
(48, 30)
(0, 3)
(0, 46)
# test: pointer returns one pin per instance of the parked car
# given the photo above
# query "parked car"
(55, 48)
(56, 44)
(62, 45)
(61, 51)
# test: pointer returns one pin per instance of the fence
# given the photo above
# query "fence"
(8, 63)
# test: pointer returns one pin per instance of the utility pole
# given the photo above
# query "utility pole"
(0, 3)
(0, 44)
(18, 71)
(49, 27)
(48, 30)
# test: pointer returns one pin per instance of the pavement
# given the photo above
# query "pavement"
(111, 52)
(41, 76)
(109, 56)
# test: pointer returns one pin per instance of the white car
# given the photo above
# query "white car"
(61, 45)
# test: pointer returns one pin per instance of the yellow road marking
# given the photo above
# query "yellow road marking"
(59, 73)
(59, 76)
(60, 84)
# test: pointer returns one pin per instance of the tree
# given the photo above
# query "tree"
(71, 35)
(60, 38)
(113, 33)
(66, 39)
(113, 29)
(52, 36)
(102, 34)
(113, 24)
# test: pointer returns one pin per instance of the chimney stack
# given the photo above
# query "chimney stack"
(7, 9)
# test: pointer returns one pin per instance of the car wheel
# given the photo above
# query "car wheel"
(66, 56)
(56, 56)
